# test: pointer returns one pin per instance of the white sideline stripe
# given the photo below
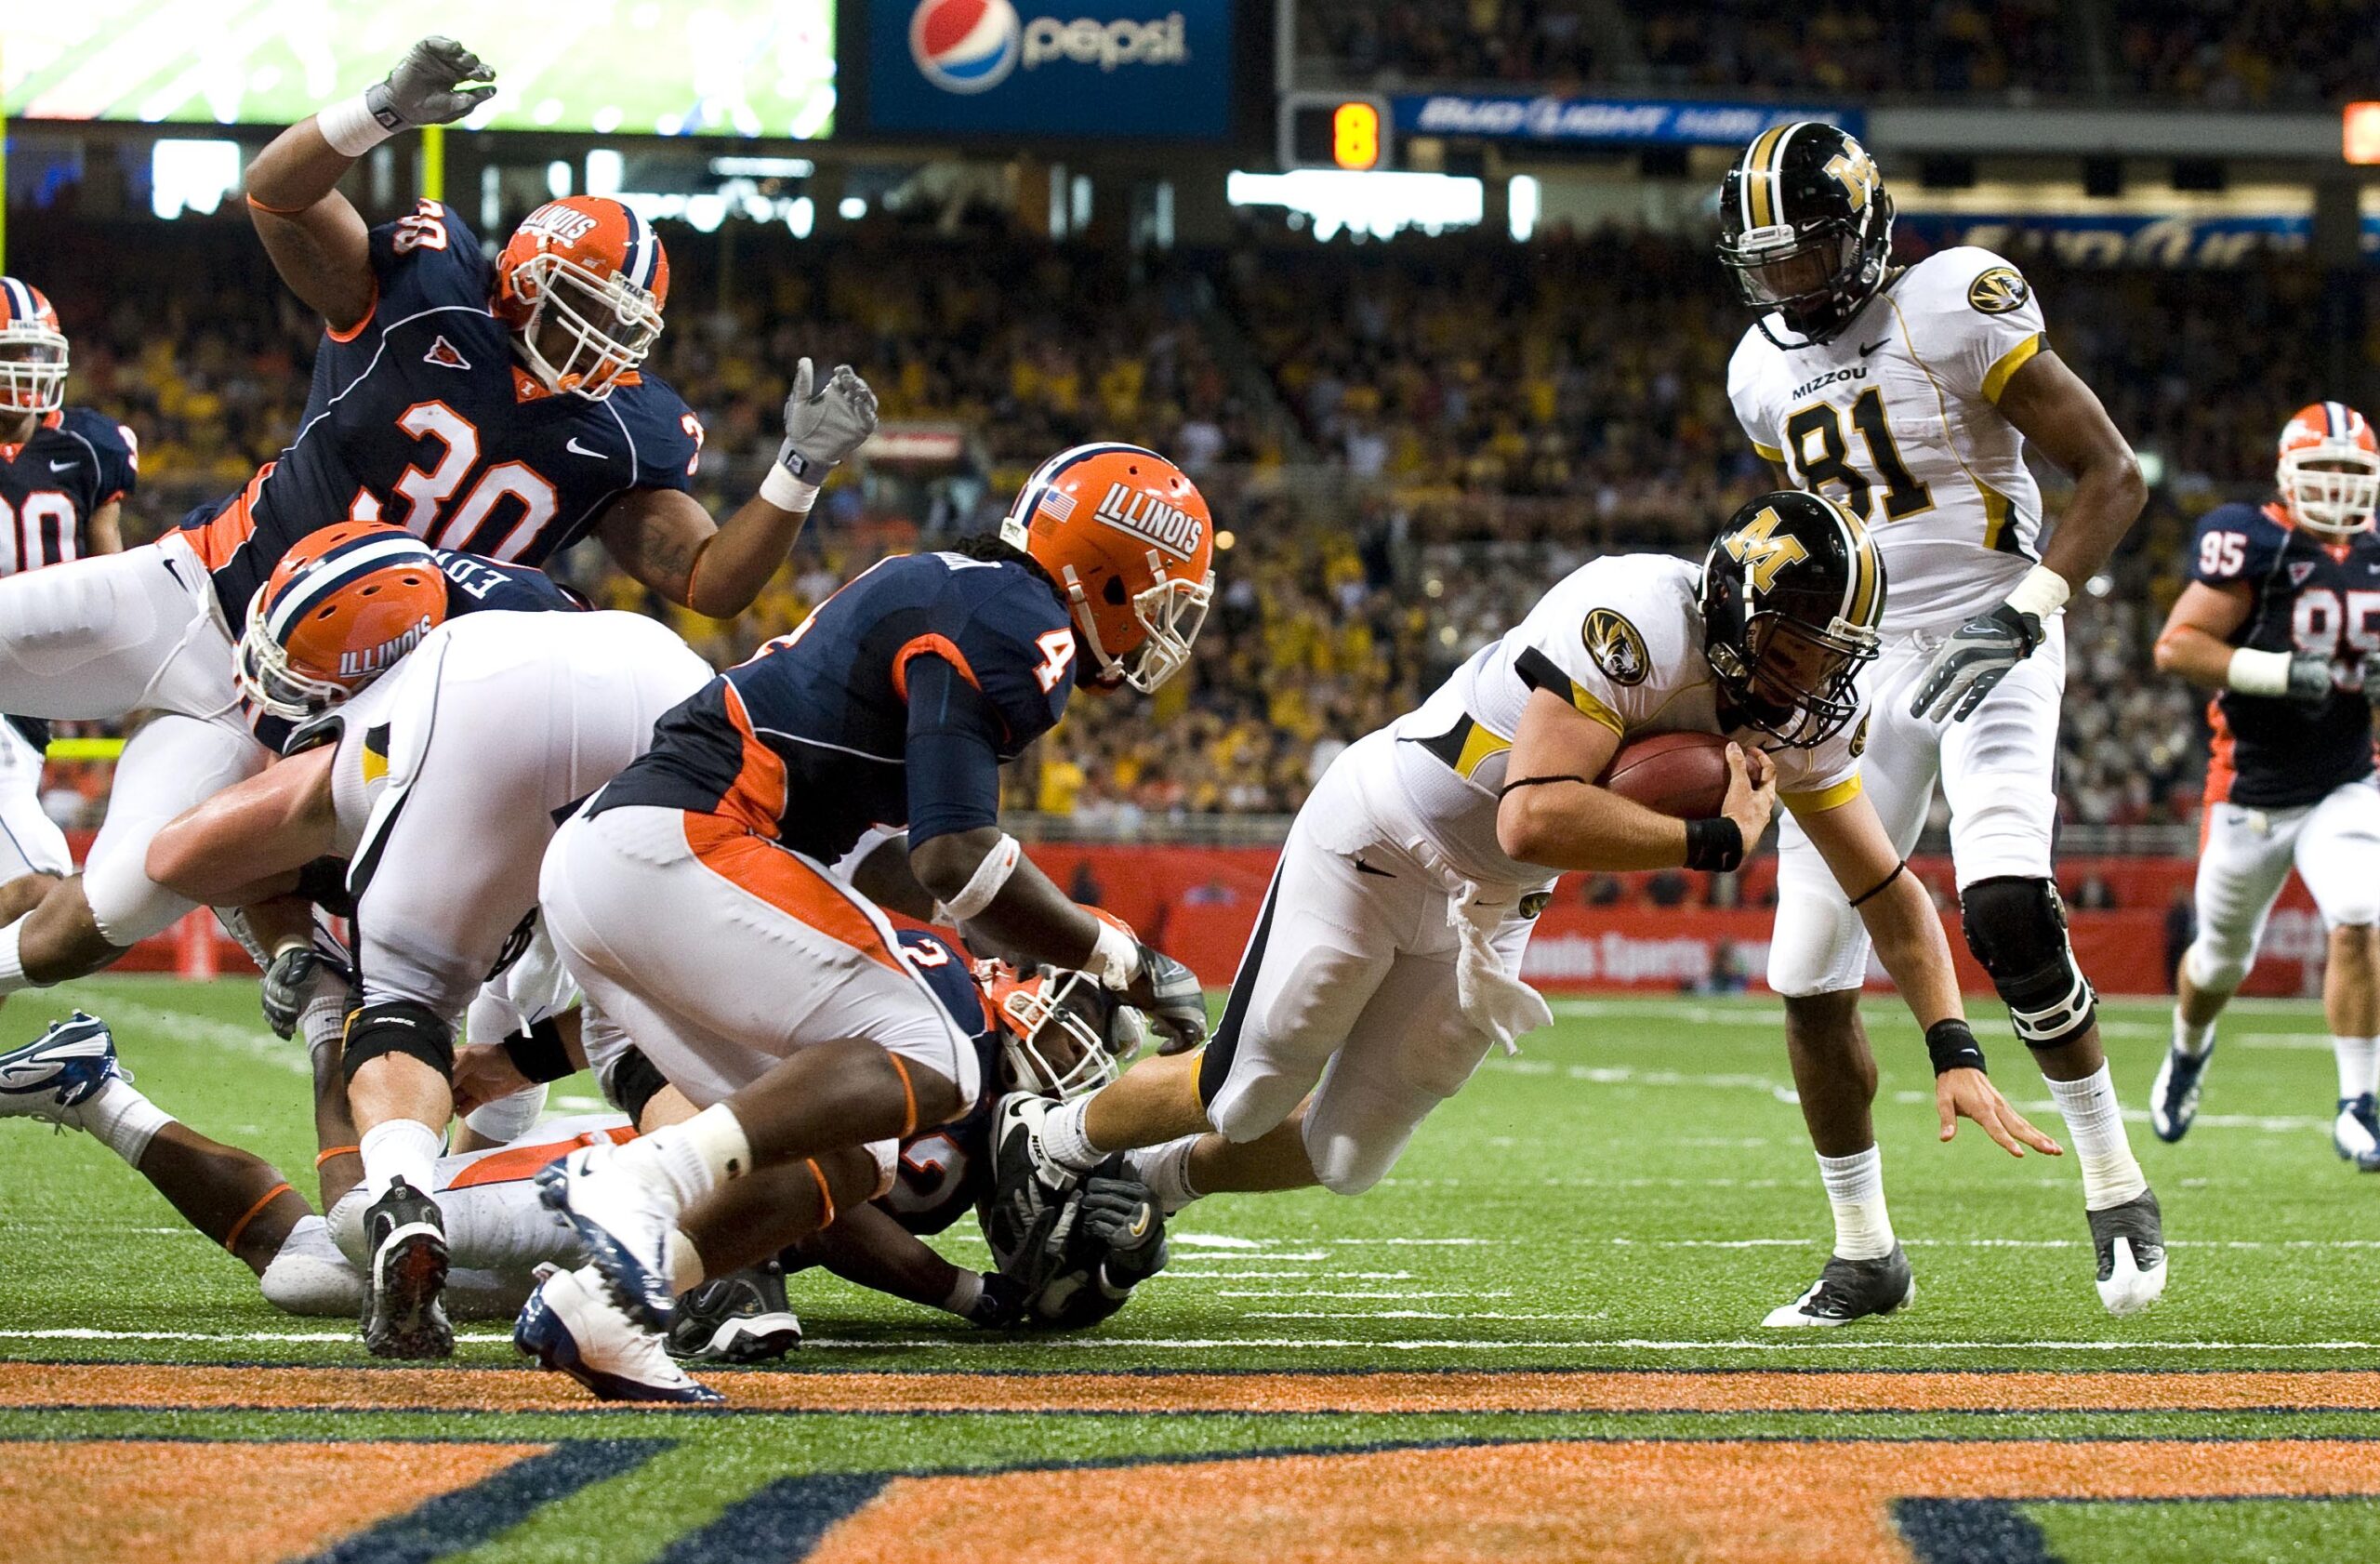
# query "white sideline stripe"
(1803, 1341)
(1268, 1257)
(1381, 1293)
(1416, 1314)
(1216, 1240)
(257, 1044)
(1288, 1276)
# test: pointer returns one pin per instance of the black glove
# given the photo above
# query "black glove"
(288, 981)
(1170, 995)
(1973, 662)
(1123, 1215)
(998, 1305)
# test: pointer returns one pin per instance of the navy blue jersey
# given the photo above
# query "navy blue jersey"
(473, 586)
(2309, 598)
(945, 1171)
(420, 416)
(811, 741)
(77, 463)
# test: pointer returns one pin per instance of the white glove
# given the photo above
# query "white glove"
(1499, 1004)
(822, 428)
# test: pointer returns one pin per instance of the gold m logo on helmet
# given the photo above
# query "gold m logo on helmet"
(1856, 172)
(1756, 547)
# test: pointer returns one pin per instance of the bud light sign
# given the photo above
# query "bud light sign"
(1156, 68)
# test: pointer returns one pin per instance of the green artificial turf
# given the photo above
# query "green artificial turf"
(1633, 1192)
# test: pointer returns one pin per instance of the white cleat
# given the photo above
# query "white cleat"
(52, 1076)
(2130, 1240)
(570, 1325)
(623, 1215)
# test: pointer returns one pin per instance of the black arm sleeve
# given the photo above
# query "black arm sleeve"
(954, 764)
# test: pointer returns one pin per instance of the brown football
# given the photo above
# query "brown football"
(1683, 774)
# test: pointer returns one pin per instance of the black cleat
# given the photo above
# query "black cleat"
(403, 1314)
(2130, 1240)
(738, 1319)
(1849, 1290)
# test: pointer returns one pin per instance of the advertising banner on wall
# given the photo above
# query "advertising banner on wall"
(1617, 121)
(1140, 69)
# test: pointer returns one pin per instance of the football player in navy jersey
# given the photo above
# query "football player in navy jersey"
(63, 474)
(691, 900)
(2281, 620)
(496, 408)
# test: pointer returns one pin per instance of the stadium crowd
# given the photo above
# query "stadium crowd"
(1444, 432)
(2219, 53)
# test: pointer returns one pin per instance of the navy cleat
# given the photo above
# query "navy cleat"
(2355, 1134)
(59, 1071)
(405, 1311)
(2172, 1102)
(625, 1224)
(571, 1326)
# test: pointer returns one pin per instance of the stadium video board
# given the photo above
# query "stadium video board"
(633, 67)
(1146, 69)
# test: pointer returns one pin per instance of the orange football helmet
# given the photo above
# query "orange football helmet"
(1062, 1034)
(340, 608)
(33, 350)
(1126, 537)
(2330, 470)
(583, 280)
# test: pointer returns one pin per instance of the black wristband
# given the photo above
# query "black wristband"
(538, 1052)
(1952, 1042)
(1715, 846)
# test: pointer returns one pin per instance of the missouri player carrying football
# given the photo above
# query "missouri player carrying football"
(496, 407)
(1386, 956)
(1909, 395)
(2281, 620)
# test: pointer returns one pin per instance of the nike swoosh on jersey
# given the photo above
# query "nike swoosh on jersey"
(64, 466)
(572, 446)
(1871, 347)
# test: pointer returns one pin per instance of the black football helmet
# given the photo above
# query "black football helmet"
(1792, 591)
(1807, 227)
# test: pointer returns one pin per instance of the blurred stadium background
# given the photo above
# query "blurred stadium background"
(1420, 292)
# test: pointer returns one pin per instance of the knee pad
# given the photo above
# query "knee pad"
(399, 1026)
(2016, 927)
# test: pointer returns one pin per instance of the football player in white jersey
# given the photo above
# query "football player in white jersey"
(1385, 960)
(1909, 395)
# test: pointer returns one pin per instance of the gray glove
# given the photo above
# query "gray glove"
(2309, 681)
(1971, 664)
(438, 82)
(824, 426)
(289, 981)
(1122, 1215)
(1171, 997)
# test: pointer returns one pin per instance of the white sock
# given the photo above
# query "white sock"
(2095, 1127)
(2357, 1057)
(1166, 1170)
(400, 1148)
(1064, 1139)
(1855, 1187)
(12, 961)
(697, 1156)
(124, 1119)
(685, 1263)
(963, 1294)
(2189, 1039)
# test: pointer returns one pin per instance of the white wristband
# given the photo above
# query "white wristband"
(963, 1294)
(985, 883)
(1117, 958)
(349, 127)
(2258, 674)
(787, 492)
(2042, 593)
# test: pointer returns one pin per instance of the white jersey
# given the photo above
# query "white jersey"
(1898, 418)
(1621, 638)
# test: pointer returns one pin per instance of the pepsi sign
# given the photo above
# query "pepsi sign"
(1158, 69)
